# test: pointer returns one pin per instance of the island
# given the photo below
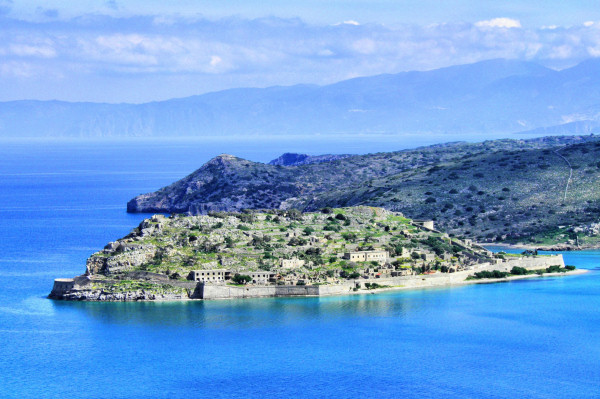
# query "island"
(271, 253)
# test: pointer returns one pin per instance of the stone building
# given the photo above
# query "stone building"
(367, 256)
(261, 277)
(292, 263)
(428, 224)
(212, 276)
(428, 257)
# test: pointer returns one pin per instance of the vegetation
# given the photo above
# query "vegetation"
(495, 191)
(520, 271)
(241, 278)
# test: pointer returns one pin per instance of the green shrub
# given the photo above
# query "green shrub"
(519, 271)
(241, 278)
(492, 274)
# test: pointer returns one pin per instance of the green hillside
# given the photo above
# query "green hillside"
(512, 191)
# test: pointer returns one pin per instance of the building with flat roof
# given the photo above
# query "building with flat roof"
(212, 276)
(367, 256)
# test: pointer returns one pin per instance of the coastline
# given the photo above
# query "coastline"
(410, 283)
(555, 247)
(384, 289)
(478, 281)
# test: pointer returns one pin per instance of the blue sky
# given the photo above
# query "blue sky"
(137, 51)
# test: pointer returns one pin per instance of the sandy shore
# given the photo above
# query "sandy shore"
(402, 288)
(467, 282)
(556, 247)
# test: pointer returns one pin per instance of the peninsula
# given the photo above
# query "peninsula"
(538, 192)
(287, 253)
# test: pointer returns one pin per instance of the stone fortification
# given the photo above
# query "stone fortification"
(421, 281)
(81, 288)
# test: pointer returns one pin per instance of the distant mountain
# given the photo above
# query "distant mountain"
(490, 97)
(504, 190)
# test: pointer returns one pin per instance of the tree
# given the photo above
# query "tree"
(294, 214)
(308, 231)
(241, 278)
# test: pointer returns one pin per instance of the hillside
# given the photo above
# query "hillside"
(490, 97)
(168, 257)
(502, 190)
(288, 253)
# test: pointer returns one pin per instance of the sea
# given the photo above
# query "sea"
(60, 201)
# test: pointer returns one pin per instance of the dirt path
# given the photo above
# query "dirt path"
(570, 171)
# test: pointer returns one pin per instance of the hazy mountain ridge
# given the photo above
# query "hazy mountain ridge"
(507, 190)
(496, 96)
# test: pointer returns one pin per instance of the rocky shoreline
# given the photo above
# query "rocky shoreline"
(83, 288)
(142, 296)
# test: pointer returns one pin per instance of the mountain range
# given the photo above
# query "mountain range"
(489, 98)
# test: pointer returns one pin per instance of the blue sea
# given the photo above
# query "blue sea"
(62, 201)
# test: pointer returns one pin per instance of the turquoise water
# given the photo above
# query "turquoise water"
(534, 338)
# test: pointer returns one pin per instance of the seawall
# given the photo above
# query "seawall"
(346, 287)
(80, 288)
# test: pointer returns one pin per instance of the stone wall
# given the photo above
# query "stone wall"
(346, 287)
(227, 291)
(78, 288)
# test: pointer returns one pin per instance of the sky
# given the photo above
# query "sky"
(140, 51)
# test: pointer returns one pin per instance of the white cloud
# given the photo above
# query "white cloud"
(499, 23)
(215, 60)
(14, 69)
(364, 46)
(561, 52)
(594, 51)
(236, 52)
(587, 24)
(325, 53)
(27, 50)
(351, 22)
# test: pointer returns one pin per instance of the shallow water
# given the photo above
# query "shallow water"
(534, 338)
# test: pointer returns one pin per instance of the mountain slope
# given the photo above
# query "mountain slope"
(506, 190)
(490, 97)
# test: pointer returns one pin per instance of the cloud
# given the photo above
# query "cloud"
(205, 55)
(499, 23)
(27, 50)
(215, 60)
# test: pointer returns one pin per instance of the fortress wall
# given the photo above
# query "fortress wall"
(532, 263)
(227, 291)
(66, 287)
(346, 287)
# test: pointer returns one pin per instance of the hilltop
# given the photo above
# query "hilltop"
(494, 97)
(512, 191)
